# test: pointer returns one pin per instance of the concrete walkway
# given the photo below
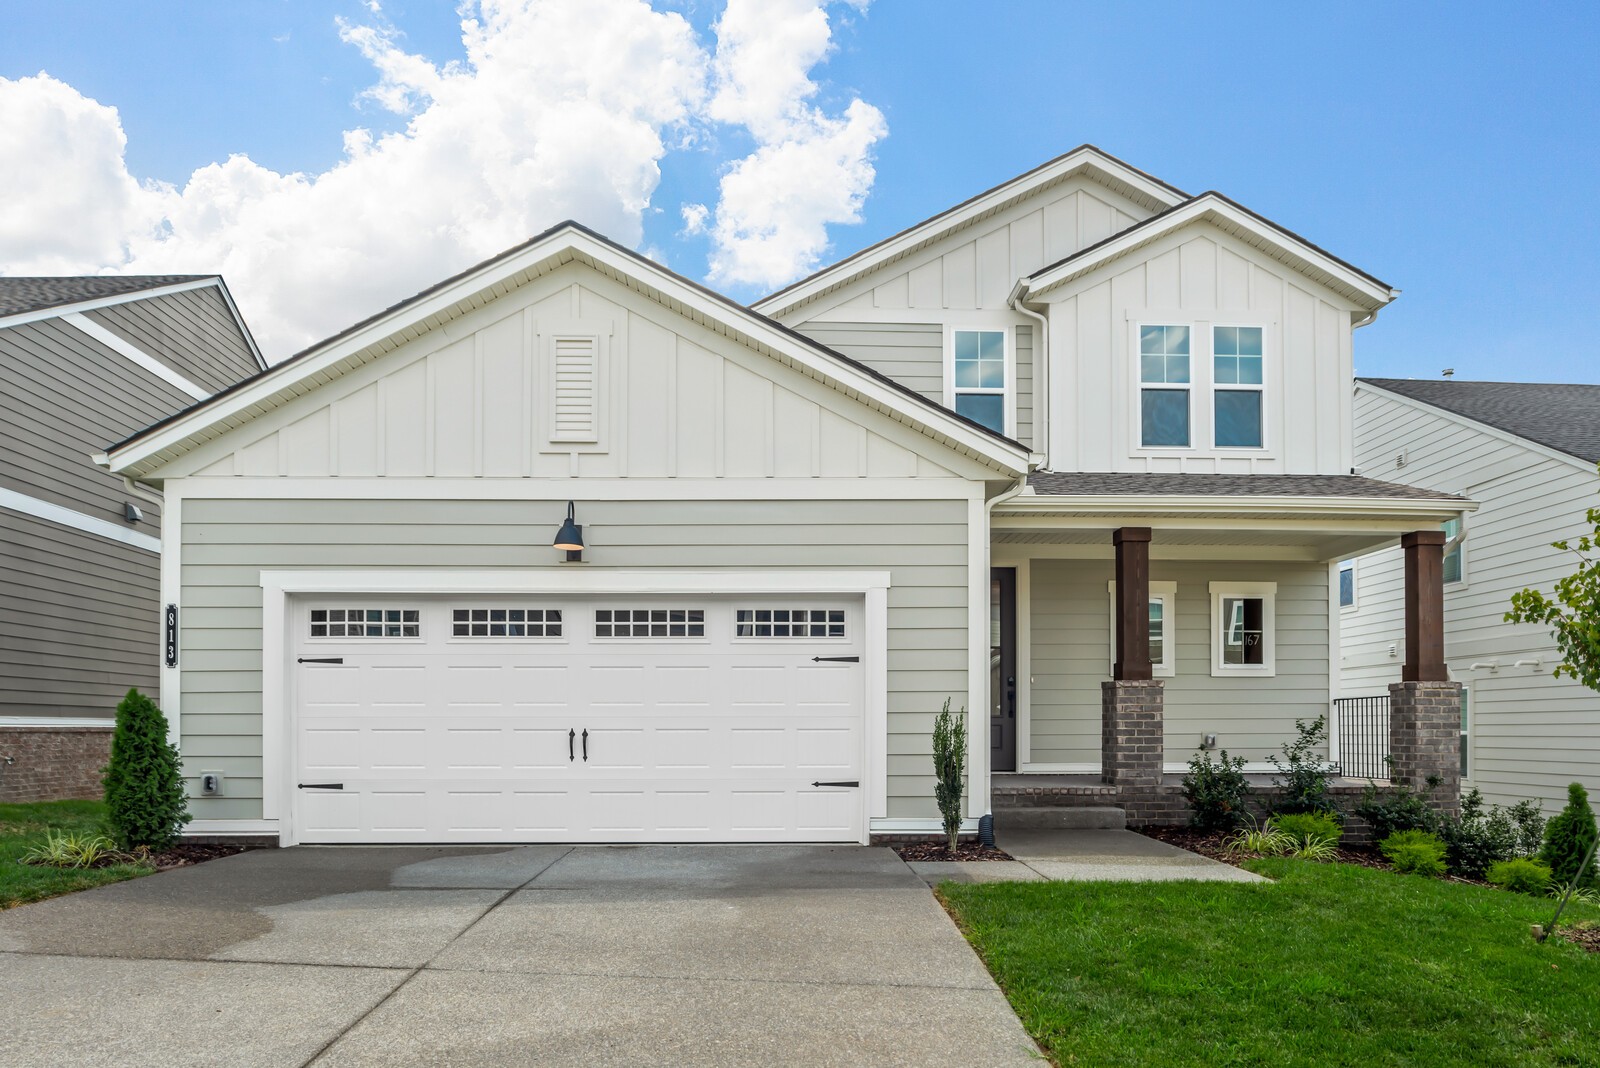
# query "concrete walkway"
(1082, 856)
(545, 955)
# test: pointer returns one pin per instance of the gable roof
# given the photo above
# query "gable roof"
(1560, 416)
(460, 294)
(18, 295)
(1233, 218)
(1105, 168)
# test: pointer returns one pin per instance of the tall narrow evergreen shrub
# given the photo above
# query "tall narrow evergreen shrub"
(145, 802)
(950, 768)
(1569, 837)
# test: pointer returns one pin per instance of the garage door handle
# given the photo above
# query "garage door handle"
(320, 660)
(321, 785)
(586, 745)
(852, 782)
(836, 660)
(571, 734)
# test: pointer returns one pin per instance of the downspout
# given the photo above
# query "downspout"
(1041, 368)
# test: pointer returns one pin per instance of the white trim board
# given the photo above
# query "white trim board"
(57, 721)
(137, 355)
(66, 517)
(536, 490)
(58, 310)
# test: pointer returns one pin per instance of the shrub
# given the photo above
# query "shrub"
(950, 768)
(1263, 841)
(1414, 852)
(1529, 822)
(1305, 776)
(1521, 876)
(145, 802)
(1476, 840)
(1568, 839)
(1216, 792)
(1309, 827)
(73, 851)
(1400, 809)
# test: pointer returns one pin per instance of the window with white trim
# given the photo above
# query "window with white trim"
(1243, 641)
(1164, 387)
(789, 622)
(1347, 584)
(1454, 561)
(1163, 628)
(505, 622)
(1236, 387)
(979, 368)
(649, 623)
(366, 623)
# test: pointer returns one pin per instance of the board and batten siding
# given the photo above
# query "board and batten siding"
(79, 622)
(227, 543)
(1253, 718)
(192, 331)
(1199, 276)
(1531, 734)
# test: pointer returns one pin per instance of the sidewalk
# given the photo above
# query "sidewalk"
(1084, 856)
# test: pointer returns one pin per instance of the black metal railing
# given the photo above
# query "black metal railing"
(1363, 736)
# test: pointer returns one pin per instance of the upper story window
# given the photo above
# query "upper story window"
(1164, 394)
(1236, 380)
(1347, 584)
(979, 376)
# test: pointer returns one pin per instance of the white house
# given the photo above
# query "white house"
(1527, 453)
(916, 475)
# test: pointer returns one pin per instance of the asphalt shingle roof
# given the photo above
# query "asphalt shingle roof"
(19, 295)
(1564, 417)
(1108, 483)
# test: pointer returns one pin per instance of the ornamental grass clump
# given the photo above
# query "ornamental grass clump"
(1311, 835)
(1261, 841)
(68, 850)
(950, 768)
(145, 802)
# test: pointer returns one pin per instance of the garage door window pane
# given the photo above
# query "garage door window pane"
(366, 623)
(505, 622)
(649, 623)
(789, 623)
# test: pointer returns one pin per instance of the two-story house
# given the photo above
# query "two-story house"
(1527, 452)
(84, 359)
(570, 548)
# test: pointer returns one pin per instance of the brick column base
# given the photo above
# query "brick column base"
(1132, 732)
(1425, 739)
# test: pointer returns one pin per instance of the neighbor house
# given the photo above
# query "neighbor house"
(1527, 453)
(85, 359)
(570, 548)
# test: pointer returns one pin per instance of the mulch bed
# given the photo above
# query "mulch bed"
(1209, 844)
(941, 851)
(185, 854)
(1585, 934)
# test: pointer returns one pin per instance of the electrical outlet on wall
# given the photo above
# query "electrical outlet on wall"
(211, 783)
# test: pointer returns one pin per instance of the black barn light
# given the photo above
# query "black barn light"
(570, 537)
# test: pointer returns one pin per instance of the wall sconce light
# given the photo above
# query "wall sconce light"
(570, 537)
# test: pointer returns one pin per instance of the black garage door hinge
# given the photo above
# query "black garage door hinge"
(320, 660)
(836, 660)
(852, 782)
(320, 785)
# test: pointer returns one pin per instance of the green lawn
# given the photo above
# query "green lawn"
(1331, 965)
(24, 826)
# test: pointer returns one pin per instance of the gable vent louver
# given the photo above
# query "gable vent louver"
(575, 391)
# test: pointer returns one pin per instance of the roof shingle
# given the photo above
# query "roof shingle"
(19, 295)
(1564, 417)
(1113, 483)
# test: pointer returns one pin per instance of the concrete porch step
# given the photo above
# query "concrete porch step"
(1065, 818)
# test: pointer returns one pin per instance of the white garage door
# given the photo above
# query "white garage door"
(598, 719)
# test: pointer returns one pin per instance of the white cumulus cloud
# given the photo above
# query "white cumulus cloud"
(558, 109)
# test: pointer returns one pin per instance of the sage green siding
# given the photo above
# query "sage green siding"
(1253, 718)
(227, 544)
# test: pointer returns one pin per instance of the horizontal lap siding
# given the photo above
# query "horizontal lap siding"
(78, 622)
(192, 332)
(1071, 649)
(910, 353)
(227, 543)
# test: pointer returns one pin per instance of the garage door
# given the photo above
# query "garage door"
(600, 719)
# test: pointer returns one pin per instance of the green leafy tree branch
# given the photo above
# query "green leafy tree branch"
(1573, 613)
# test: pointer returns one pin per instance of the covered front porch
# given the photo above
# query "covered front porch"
(1137, 620)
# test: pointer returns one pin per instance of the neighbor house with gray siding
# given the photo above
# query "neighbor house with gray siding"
(84, 360)
(570, 548)
(1527, 453)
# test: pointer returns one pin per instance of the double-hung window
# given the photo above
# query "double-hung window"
(978, 376)
(1236, 387)
(1164, 386)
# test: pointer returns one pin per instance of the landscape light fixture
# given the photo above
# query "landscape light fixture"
(570, 537)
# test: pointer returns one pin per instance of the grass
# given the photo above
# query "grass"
(1333, 964)
(24, 826)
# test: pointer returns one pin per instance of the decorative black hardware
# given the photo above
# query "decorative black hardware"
(320, 660)
(321, 785)
(172, 635)
(586, 745)
(571, 734)
(836, 660)
(852, 782)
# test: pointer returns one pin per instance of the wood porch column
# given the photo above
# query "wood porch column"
(1133, 604)
(1424, 600)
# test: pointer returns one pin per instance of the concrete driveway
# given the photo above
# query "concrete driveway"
(543, 955)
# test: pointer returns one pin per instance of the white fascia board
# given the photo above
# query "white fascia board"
(938, 226)
(561, 247)
(238, 320)
(1482, 428)
(134, 354)
(51, 512)
(1201, 208)
(574, 581)
(542, 490)
(57, 310)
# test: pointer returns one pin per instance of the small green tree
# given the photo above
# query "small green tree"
(145, 802)
(1569, 840)
(950, 768)
(1573, 614)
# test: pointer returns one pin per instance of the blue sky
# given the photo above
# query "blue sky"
(1451, 150)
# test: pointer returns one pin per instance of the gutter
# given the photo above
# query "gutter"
(1041, 366)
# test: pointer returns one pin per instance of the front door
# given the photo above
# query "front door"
(1003, 669)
